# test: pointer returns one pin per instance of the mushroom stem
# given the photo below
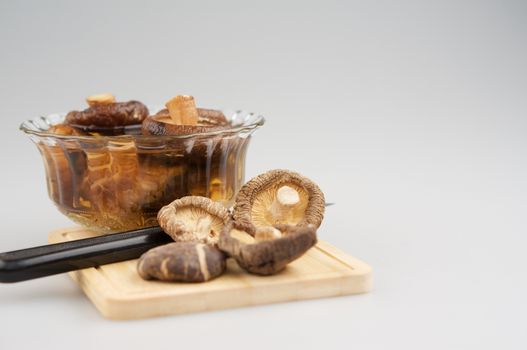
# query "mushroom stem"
(203, 227)
(286, 199)
(267, 233)
(182, 110)
(100, 99)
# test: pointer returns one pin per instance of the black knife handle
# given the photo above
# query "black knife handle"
(51, 259)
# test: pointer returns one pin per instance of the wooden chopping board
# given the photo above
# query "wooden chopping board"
(118, 292)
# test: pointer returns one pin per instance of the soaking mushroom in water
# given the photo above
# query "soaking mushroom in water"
(104, 113)
(182, 117)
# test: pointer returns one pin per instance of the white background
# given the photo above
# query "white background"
(411, 116)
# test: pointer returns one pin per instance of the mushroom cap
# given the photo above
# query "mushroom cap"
(109, 115)
(270, 256)
(181, 218)
(162, 124)
(251, 208)
(182, 262)
(211, 117)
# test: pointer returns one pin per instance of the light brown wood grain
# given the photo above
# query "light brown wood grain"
(118, 292)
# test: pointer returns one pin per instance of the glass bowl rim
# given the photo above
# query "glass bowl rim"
(259, 121)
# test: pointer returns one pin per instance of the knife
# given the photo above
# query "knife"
(52, 259)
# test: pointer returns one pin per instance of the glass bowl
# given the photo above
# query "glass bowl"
(118, 183)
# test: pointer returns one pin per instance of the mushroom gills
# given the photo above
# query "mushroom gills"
(203, 228)
(193, 219)
(197, 224)
(285, 204)
(278, 197)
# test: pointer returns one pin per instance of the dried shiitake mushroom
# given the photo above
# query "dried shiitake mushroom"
(278, 197)
(270, 250)
(183, 262)
(182, 117)
(162, 124)
(118, 186)
(193, 219)
(211, 117)
(103, 113)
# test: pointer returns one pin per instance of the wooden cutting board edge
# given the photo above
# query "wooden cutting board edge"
(115, 305)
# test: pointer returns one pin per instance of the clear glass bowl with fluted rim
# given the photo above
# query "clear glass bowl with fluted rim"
(117, 183)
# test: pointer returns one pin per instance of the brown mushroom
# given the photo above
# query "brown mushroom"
(118, 186)
(211, 117)
(183, 262)
(108, 115)
(272, 248)
(279, 197)
(193, 219)
(162, 124)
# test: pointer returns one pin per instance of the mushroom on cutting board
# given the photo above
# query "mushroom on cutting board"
(278, 197)
(193, 219)
(182, 262)
(272, 248)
